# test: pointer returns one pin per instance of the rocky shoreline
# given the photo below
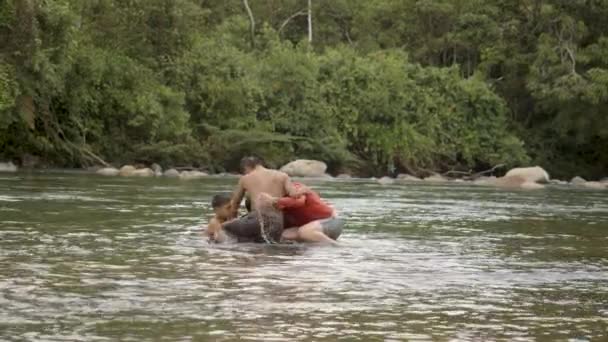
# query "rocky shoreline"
(527, 178)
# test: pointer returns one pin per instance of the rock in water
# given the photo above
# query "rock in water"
(171, 173)
(271, 221)
(108, 171)
(305, 168)
(436, 179)
(386, 181)
(403, 177)
(595, 185)
(578, 181)
(484, 180)
(158, 170)
(126, 171)
(516, 182)
(8, 167)
(192, 175)
(344, 176)
(534, 174)
(146, 172)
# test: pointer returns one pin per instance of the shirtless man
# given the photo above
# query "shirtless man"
(256, 180)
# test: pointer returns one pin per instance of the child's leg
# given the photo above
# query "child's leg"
(313, 232)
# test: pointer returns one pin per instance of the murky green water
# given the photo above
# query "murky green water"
(92, 258)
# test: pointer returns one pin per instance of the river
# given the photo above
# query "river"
(84, 257)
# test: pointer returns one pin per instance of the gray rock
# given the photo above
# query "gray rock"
(344, 176)
(171, 173)
(158, 170)
(578, 181)
(187, 175)
(108, 171)
(126, 171)
(305, 168)
(8, 167)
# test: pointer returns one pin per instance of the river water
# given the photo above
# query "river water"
(114, 259)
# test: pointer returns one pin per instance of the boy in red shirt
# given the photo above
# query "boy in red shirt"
(313, 220)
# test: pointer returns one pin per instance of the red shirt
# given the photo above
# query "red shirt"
(304, 209)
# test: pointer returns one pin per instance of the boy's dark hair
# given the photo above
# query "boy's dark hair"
(250, 162)
(220, 200)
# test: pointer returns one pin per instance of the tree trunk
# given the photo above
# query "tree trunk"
(310, 21)
(251, 20)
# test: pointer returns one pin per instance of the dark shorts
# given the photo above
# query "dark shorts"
(246, 228)
(332, 227)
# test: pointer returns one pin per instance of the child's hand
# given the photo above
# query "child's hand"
(211, 237)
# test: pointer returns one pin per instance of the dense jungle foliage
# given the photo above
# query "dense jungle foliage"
(375, 87)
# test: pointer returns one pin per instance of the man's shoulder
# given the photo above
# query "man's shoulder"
(279, 174)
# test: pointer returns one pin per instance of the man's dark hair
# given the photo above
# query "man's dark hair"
(250, 162)
(220, 200)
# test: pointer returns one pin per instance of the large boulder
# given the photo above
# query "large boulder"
(403, 177)
(126, 171)
(578, 181)
(192, 175)
(108, 171)
(305, 168)
(145, 172)
(8, 167)
(171, 173)
(534, 174)
(158, 170)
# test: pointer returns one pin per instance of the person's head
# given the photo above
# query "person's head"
(221, 206)
(249, 164)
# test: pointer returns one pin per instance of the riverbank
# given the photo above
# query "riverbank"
(189, 174)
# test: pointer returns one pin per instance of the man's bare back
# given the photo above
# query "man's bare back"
(261, 180)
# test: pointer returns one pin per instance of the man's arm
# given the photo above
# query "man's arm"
(237, 197)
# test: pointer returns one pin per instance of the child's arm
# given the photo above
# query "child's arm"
(213, 229)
